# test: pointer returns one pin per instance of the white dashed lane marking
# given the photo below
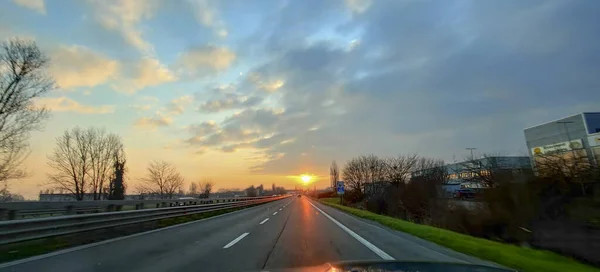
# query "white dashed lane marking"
(236, 240)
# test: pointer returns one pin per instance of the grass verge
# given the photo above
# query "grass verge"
(523, 259)
(22, 250)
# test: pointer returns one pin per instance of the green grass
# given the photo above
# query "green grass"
(32, 248)
(523, 259)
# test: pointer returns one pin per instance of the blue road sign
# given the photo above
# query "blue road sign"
(340, 188)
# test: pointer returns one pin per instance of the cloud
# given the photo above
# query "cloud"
(251, 128)
(358, 6)
(205, 60)
(126, 18)
(36, 5)
(266, 85)
(141, 107)
(78, 66)
(153, 122)
(123, 16)
(203, 129)
(145, 103)
(207, 15)
(145, 73)
(432, 77)
(230, 101)
(65, 104)
(177, 105)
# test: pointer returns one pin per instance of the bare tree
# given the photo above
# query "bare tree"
(432, 173)
(82, 161)
(21, 81)
(362, 170)
(71, 163)
(206, 187)
(398, 169)
(250, 191)
(431, 170)
(572, 167)
(106, 151)
(7, 196)
(162, 179)
(334, 174)
(193, 190)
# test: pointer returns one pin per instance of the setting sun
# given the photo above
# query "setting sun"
(306, 179)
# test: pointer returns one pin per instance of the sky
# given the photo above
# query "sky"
(262, 91)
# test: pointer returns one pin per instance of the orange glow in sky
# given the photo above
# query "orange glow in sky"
(305, 179)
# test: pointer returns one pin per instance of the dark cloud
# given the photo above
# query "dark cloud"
(428, 76)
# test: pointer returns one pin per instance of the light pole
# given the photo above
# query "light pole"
(471, 149)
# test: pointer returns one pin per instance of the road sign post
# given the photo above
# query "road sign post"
(340, 191)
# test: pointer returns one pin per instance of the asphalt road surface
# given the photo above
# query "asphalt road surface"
(292, 232)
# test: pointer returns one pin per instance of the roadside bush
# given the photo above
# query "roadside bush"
(327, 194)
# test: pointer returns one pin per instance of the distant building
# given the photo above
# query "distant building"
(229, 194)
(472, 173)
(577, 134)
(512, 168)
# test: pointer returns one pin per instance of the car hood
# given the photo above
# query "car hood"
(384, 266)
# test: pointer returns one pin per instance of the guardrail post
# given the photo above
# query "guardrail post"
(70, 210)
(110, 208)
(8, 214)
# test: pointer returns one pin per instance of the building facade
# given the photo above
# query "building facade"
(575, 135)
(470, 173)
(481, 172)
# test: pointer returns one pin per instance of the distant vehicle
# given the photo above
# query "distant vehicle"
(299, 195)
(468, 193)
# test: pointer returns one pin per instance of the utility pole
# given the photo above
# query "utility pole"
(471, 149)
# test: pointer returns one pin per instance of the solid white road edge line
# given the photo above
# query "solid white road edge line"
(274, 213)
(68, 250)
(264, 221)
(236, 240)
(408, 241)
(366, 243)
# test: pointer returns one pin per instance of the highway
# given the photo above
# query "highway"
(292, 232)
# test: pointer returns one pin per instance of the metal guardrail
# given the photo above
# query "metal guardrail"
(29, 229)
(20, 210)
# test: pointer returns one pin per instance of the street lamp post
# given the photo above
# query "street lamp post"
(471, 149)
